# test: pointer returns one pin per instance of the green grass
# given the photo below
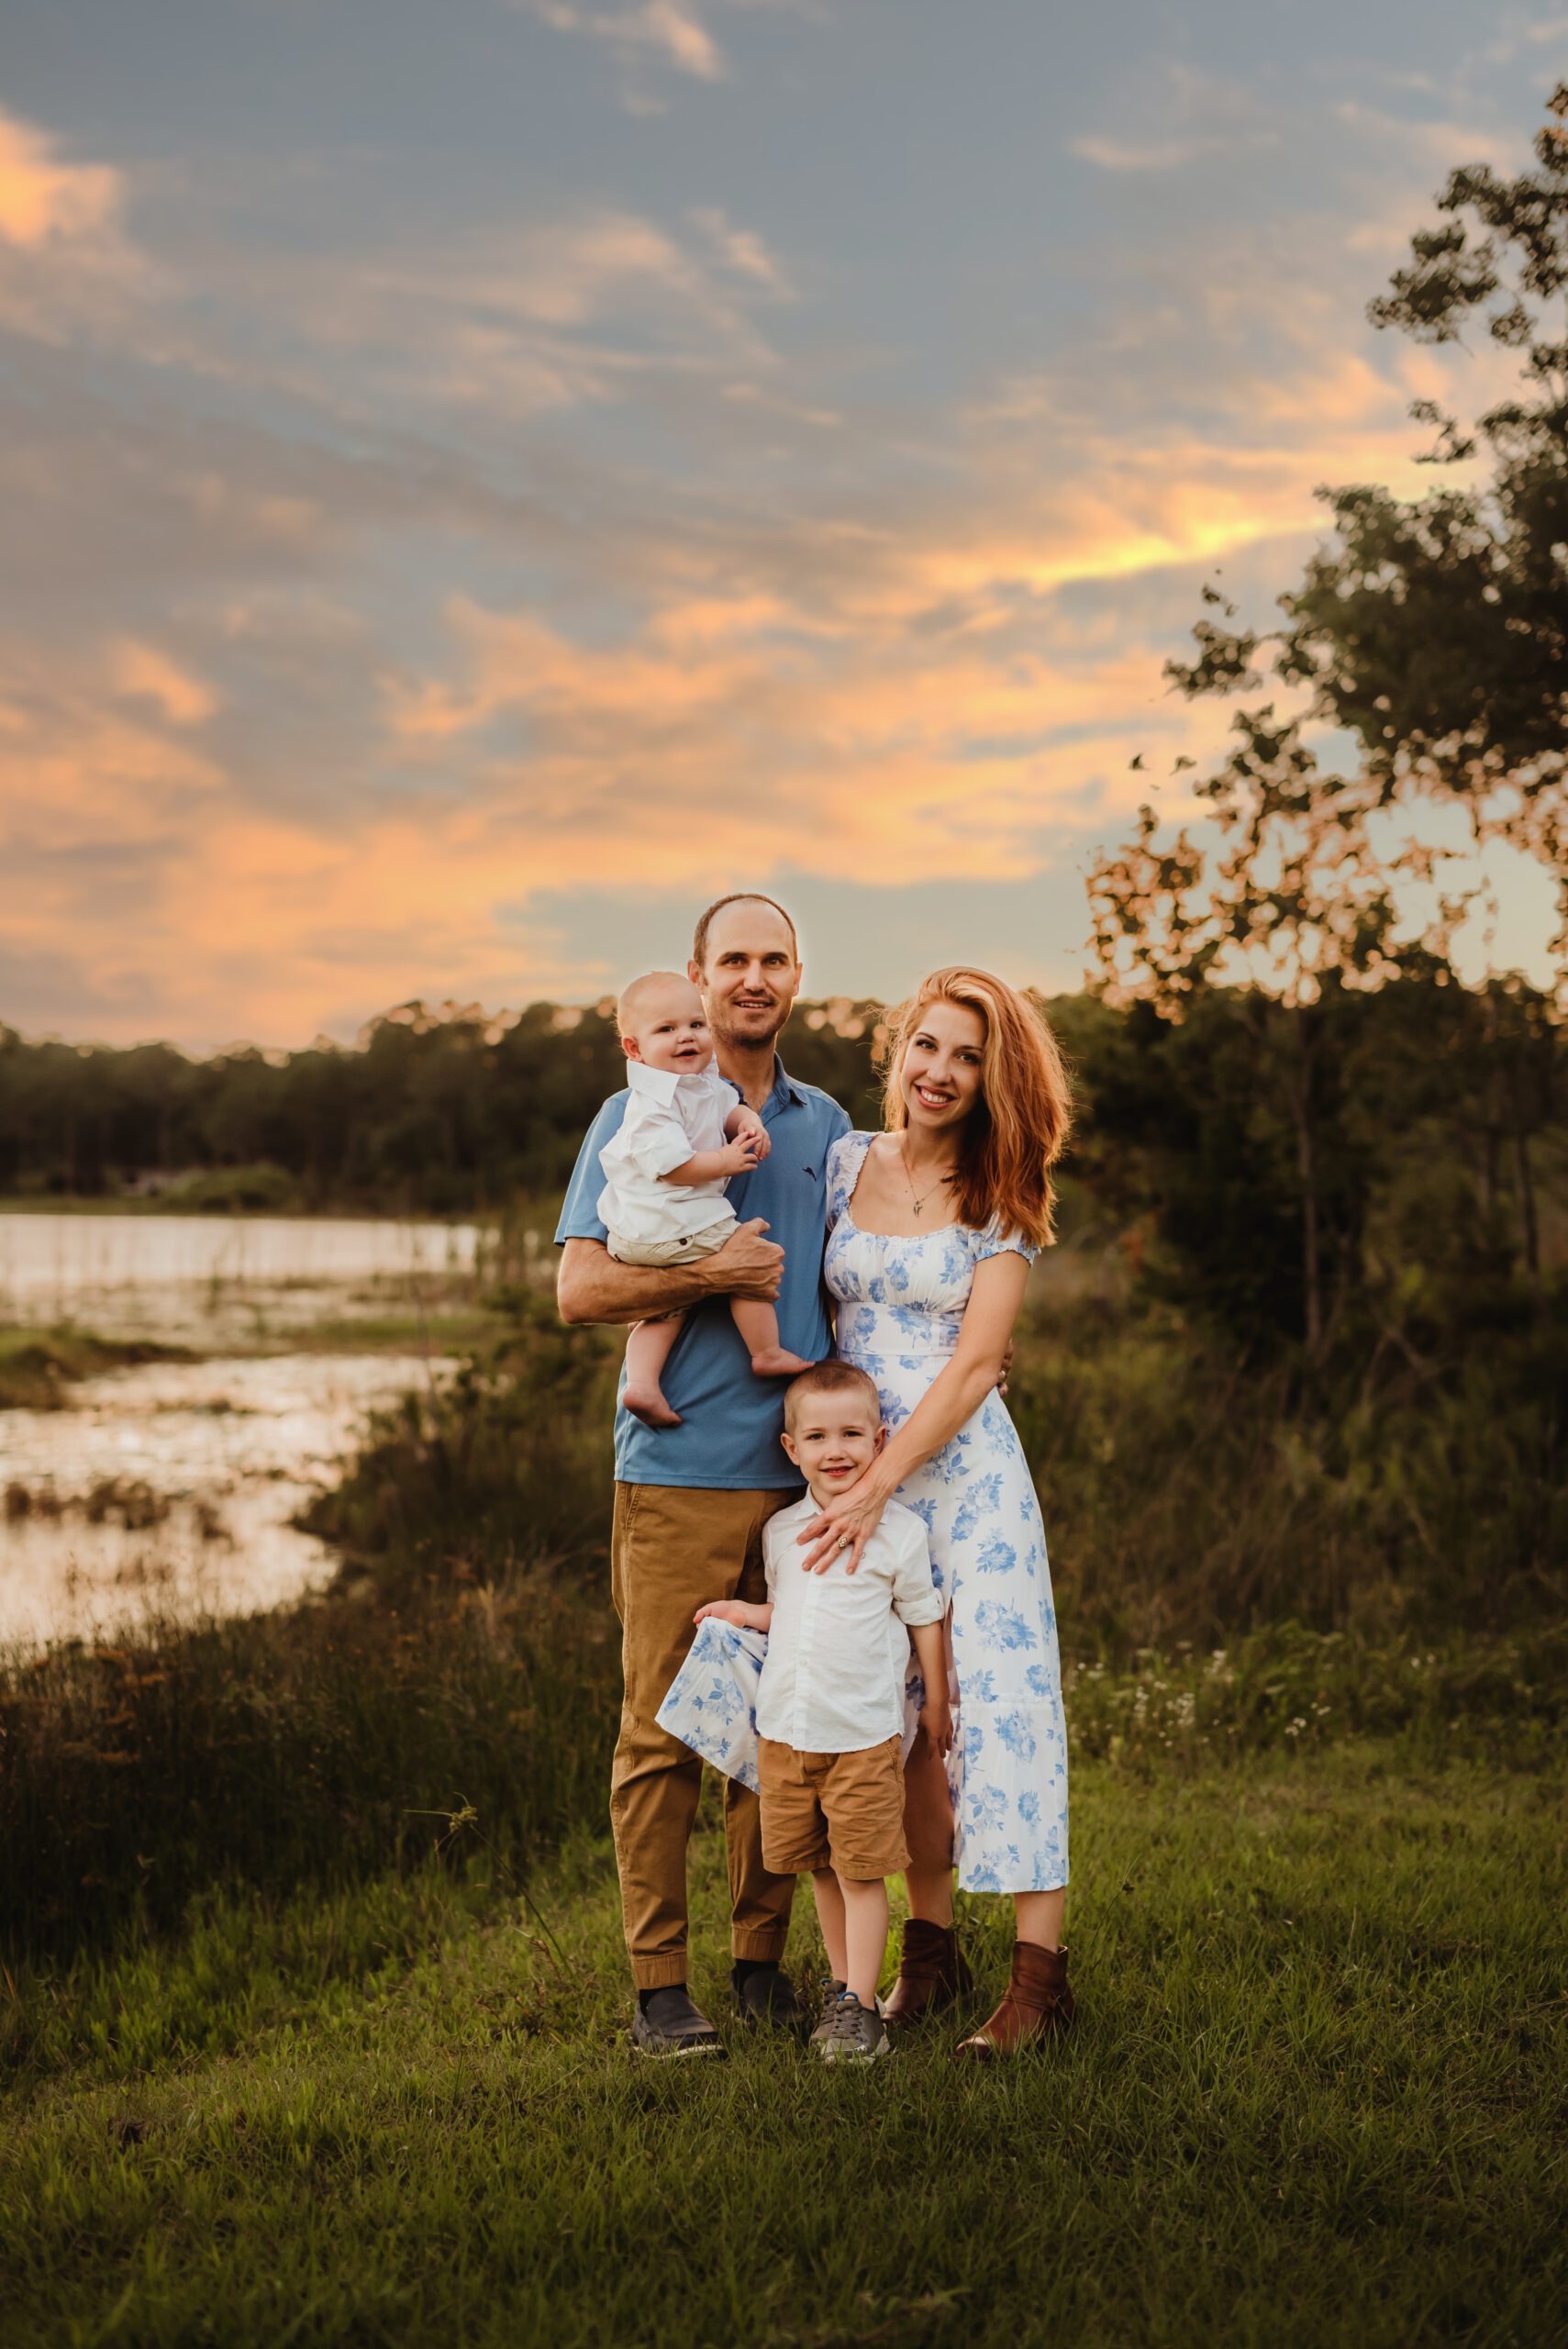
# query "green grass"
(36, 1365)
(1317, 2095)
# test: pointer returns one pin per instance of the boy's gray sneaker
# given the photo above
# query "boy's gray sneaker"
(672, 2024)
(832, 1992)
(849, 2033)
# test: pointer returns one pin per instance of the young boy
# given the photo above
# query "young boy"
(683, 1135)
(830, 1699)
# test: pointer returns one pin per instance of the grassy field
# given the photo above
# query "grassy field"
(1317, 2096)
(312, 1999)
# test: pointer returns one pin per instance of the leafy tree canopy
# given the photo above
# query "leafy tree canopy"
(1434, 631)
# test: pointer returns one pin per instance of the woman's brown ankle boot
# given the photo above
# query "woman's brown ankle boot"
(932, 1974)
(1036, 2004)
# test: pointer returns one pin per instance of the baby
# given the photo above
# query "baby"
(684, 1133)
(831, 1698)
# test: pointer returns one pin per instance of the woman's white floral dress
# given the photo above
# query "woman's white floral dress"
(900, 1306)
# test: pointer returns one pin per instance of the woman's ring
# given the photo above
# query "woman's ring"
(844, 1541)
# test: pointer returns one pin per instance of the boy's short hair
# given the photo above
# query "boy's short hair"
(830, 1378)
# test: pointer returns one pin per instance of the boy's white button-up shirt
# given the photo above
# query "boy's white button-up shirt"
(668, 1119)
(838, 1651)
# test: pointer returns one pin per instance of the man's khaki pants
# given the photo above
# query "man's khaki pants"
(674, 1548)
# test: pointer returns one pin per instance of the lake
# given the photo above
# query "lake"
(165, 1489)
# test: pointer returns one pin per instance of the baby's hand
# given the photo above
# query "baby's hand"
(935, 1720)
(752, 1128)
(740, 1156)
(725, 1611)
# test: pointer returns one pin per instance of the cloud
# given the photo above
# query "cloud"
(1174, 115)
(66, 262)
(1520, 32)
(664, 29)
(741, 251)
(42, 199)
(1144, 155)
(143, 674)
(514, 320)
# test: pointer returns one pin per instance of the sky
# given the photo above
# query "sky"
(480, 477)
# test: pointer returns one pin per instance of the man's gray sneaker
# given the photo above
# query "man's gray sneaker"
(849, 2033)
(669, 2024)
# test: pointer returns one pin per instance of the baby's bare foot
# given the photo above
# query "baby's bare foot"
(646, 1402)
(775, 1362)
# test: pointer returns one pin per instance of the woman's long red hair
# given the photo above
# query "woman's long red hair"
(1019, 1124)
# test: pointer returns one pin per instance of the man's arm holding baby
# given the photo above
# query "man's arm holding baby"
(592, 1287)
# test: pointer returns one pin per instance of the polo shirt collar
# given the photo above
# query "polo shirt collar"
(786, 1092)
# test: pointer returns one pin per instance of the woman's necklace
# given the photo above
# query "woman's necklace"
(918, 1198)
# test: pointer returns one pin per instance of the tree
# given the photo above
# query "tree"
(1434, 633)
(1434, 630)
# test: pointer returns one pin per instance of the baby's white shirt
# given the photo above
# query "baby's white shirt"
(833, 1678)
(668, 1119)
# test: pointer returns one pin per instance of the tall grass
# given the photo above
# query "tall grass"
(472, 1720)
(317, 1746)
(1190, 1496)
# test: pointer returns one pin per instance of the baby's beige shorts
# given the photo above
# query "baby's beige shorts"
(690, 1250)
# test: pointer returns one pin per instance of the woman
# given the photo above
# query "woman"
(932, 1227)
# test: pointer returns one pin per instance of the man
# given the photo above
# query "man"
(691, 1501)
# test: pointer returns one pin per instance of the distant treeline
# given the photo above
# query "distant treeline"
(436, 1111)
(1397, 1153)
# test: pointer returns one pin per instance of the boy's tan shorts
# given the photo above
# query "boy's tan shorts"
(838, 1810)
(690, 1250)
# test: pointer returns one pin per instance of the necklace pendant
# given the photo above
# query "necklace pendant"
(918, 1205)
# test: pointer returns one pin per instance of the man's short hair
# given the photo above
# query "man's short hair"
(832, 1378)
(736, 897)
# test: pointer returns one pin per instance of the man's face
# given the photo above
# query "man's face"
(751, 978)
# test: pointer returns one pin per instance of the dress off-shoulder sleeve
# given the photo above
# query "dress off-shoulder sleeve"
(845, 1159)
(995, 1241)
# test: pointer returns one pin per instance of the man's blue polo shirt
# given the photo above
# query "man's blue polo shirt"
(730, 1420)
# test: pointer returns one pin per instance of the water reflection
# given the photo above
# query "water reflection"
(208, 1281)
(166, 1489)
